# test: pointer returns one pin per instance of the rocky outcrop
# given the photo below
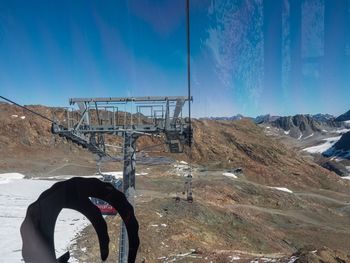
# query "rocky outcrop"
(323, 117)
(298, 126)
(303, 125)
(336, 167)
(265, 119)
(321, 255)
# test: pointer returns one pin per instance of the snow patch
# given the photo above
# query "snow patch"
(346, 177)
(328, 143)
(14, 116)
(181, 168)
(283, 189)
(9, 177)
(233, 258)
(342, 131)
(301, 135)
(267, 260)
(23, 117)
(117, 174)
(159, 214)
(184, 254)
(12, 176)
(292, 259)
(312, 134)
(15, 197)
(140, 174)
(69, 223)
(286, 132)
(66, 177)
(230, 175)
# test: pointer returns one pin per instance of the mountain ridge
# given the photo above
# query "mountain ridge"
(343, 117)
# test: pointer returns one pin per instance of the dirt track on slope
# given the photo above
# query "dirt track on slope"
(230, 217)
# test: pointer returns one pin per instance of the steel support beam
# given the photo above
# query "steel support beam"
(128, 99)
(128, 188)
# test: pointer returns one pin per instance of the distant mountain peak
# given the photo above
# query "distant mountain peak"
(322, 117)
(344, 117)
(228, 118)
(265, 118)
(341, 148)
(302, 126)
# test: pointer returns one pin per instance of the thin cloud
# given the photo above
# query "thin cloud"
(235, 41)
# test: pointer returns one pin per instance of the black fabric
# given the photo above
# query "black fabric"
(37, 229)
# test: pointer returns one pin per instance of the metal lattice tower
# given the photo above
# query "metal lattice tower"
(130, 118)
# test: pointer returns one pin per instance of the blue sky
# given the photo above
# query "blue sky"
(53, 50)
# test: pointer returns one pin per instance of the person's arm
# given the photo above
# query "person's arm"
(37, 229)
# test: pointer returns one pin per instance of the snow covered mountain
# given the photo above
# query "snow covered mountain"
(16, 194)
(302, 126)
(323, 117)
(341, 148)
(318, 136)
(344, 117)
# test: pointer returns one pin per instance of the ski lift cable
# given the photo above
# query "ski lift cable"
(150, 147)
(48, 119)
(114, 146)
(188, 184)
(189, 73)
(25, 108)
(188, 60)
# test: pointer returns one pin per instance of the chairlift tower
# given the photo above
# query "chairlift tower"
(129, 118)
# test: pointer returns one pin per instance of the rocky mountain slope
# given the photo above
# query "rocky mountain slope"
(265, 119)
(301, 126)
(224, 144)
(323, 117)
(314, 136)
(244, 144)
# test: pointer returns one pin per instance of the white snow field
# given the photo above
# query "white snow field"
(16, 193)
(283, 189)
(342, 131)
(307, 137)
(328, 143)
(230, 175)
